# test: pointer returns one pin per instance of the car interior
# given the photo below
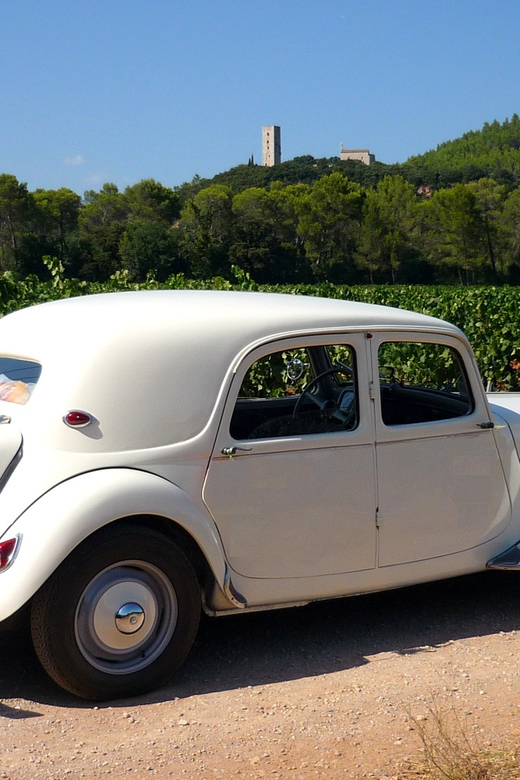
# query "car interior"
(297, 393)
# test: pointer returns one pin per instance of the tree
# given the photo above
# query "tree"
(329, 220)
(294, 266)
(149, 247)
(284, 200)
(489, 200)
(55, 223)
(206, 227)
(254, 244)
(385, 242)
(15, 208)
(509, 230)
(265, 243)
(102, 222)
(454, 231)
(150, 201)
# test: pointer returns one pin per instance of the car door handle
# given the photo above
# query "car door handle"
(232, 450)
(487, 424)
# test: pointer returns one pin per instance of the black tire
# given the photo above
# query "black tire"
(119, 616)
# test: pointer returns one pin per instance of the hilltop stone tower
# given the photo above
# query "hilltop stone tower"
(271, 145)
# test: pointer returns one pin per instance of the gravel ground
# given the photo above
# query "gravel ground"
(332, 690)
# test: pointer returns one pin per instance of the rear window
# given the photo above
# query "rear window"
(17, 379)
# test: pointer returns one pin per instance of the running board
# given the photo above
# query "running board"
(510, 559)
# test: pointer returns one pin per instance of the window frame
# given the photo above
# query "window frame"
(463, 424)
(364, 429)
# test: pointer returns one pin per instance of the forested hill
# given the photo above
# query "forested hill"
(450, 215)
(300, 170)
(492, 152)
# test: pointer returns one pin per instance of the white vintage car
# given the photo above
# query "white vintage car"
(163, 452)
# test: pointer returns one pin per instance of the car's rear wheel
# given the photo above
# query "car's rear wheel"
(119, 616)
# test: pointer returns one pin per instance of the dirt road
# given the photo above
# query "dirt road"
(324, 691)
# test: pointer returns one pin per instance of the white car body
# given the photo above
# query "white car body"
(258, 520)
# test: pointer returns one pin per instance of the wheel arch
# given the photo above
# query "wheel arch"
(177, 533)
(60, 520)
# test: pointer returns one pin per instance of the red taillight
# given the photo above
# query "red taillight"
(7, 551)
(77, 419)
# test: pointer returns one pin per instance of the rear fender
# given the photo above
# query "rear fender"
(62, 518)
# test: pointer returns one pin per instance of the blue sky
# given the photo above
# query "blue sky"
(115, 91)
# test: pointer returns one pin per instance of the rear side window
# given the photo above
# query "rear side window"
(17, 379)
(422, 382)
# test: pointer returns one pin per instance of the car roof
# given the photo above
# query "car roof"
(149, 366)
(239, 318)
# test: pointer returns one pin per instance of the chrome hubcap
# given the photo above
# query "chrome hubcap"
(112, 620)
(126, 616)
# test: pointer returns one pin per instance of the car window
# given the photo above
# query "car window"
(421, 382)
(17, 379)
(297, 392)
(277, 375)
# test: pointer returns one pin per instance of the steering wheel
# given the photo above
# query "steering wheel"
(329, 406)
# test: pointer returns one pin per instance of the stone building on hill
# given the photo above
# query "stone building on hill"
(357, 154)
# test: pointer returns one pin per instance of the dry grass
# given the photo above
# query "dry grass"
(450, 753)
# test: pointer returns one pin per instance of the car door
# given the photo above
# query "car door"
(291, 481)
(441, 488)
